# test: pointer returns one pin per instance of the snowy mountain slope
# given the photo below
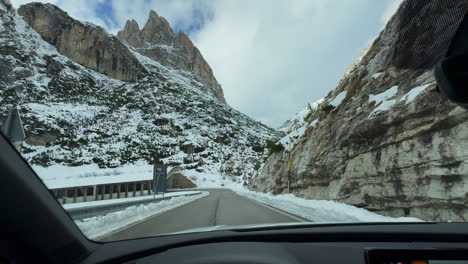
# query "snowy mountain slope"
(299, 119)
(75, 116)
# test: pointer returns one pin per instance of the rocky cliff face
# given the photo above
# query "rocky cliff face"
(157, 41)
(84, 43)
(384, 139)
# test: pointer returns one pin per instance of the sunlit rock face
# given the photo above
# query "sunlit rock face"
(157, 41)
(83, 42)
(393, 145)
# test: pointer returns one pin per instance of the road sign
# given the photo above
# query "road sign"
(159, 178)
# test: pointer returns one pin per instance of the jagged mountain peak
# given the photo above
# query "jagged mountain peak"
(131, 33)
(157, 41)
(157, 30)
(153, 15)
(131, 25)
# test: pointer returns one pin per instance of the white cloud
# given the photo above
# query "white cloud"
(274, 56)
(17, 3)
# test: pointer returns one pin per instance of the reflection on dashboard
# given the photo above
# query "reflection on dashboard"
(384, 256)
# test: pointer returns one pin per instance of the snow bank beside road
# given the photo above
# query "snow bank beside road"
(96, 227)
(61, 176)
(314, 210)
(321, 210)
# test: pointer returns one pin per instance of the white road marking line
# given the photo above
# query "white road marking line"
(278, 210)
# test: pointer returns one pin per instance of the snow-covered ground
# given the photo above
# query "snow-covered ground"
(100, 226)
(60, 176)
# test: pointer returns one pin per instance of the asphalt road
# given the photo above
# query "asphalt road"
(221, 207)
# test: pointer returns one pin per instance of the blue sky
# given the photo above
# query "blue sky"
(105, 11)
(271, 57)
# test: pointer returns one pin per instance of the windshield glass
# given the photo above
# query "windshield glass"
(157, 117)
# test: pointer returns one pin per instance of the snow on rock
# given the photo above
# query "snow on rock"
(381, 100)
(293, 136)
(96, 227)
(413, 93)
(298, 120)
(377, 75)
(384, 95)
(338, 99)
(384, 106)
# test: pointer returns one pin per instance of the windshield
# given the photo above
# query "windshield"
(157, 117)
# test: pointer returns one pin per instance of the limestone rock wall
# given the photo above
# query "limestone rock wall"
(84, 43)
(405, 156)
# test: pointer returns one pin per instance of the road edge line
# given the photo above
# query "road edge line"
(296, 217)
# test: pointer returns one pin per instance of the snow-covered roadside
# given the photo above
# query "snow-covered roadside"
(96, 227)
(321, 210)
(60, 176)
(124, 200)
(314, 210)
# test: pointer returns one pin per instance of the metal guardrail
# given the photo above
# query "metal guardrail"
(91, 211)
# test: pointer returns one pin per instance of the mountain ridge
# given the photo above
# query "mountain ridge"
(74, 115)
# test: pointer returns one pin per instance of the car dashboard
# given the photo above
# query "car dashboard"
(329, 252)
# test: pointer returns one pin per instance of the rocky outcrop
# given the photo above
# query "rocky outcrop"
(193, 60)
(84, 43)
(179, 181)
(157, 30)
(131, 34)
(157, 41)
(7, 4)
(393, 145)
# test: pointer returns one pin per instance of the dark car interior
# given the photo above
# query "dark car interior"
(36, 229)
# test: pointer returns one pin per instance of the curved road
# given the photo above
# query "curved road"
(221, 207)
